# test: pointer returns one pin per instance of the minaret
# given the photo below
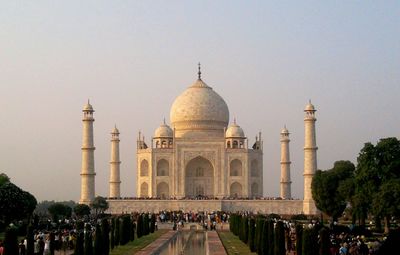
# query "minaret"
(310, 158)
(87, 171)
(115, 181)
(285, 165)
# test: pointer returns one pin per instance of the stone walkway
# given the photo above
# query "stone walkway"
(157, 244)
(215, 246)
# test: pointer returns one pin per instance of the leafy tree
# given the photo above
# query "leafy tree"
(99, 205)
(4, 179)
(387, 201)
(377, 166)
(329, 188)
(15, 204)
(81, 210)
(59, 210)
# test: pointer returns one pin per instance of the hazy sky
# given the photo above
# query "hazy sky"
(133, 58)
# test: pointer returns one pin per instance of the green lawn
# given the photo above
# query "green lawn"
(137, 244)
(232, 244)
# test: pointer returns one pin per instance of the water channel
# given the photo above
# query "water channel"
(191, 242)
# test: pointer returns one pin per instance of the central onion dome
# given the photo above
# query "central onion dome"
(199, 108)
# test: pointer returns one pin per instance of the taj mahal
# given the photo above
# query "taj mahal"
(200, 161)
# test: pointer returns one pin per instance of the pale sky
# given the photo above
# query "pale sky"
(133, 58)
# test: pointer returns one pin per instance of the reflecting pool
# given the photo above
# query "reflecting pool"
(186, 242)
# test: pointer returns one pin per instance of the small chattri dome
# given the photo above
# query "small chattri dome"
(88, 107)
(163, 131)
(234, 131)
(115, 130)
(285, 130)
(309, 107)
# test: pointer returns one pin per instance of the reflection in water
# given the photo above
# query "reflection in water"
(186, 242)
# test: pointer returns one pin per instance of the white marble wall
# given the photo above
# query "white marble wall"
(286, 207)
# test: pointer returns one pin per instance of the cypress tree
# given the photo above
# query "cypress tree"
(52, 243)
(270, 244)
(299, 239)
(279, 239)
(116, 231)
(112, 231)
(259, 235)
(146, 229)
(105, 235)
(264, 239)
(79, 239)
(122, 237)
(238, 225)
(245, 230)
(98, 246)
(88, 240)
(324, 241)
(251, 235)
(139, 227)
(152, 223)
(11, 241)
(30, 240)
(310, 240)
(232, 223)
(132, 230)
(125, 230)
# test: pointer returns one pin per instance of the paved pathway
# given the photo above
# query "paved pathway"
(215, 246)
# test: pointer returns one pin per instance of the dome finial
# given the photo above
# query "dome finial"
(199, 72)
(234, 120)
(164, 120)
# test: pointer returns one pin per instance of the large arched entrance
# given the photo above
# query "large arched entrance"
(199, 178)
